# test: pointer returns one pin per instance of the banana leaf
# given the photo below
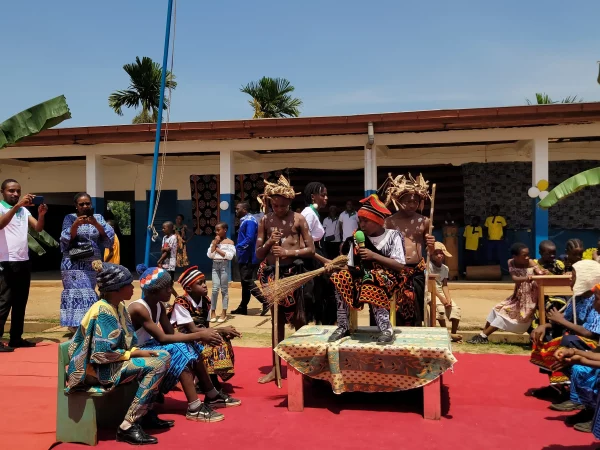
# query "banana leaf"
(568, 187)
(33, 120)
(34, 238)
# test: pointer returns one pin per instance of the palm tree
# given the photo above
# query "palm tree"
(544, 99)
(271, 98)
(144, 90)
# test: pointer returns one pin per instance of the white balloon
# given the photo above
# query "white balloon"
(543, 194)
(533, 192)
(224, 205)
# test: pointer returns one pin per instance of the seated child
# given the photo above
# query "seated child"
(445, 306)
(574, 252)
(190, 315)
(373, 273)
(585, 381)
(579, 329)
(186, 355)
(103, 355)
(551, 266)
(516, 312)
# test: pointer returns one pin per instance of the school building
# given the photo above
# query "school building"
(477, 158)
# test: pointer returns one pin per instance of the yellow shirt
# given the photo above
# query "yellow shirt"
(472, 235)
(116, 259)
(495, 226)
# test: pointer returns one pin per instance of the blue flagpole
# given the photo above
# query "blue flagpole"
(158, 131)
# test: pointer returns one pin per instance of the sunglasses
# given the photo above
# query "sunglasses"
(85, 204)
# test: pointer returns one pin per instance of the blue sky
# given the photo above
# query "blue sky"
(344, 57)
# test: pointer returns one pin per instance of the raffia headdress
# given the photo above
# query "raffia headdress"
(394, 188)
(281, 187)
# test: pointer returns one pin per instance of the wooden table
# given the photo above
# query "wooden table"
(424, 353)
(551, 285)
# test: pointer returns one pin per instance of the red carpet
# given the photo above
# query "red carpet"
(485, 408)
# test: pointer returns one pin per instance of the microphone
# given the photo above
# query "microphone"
(359, 237)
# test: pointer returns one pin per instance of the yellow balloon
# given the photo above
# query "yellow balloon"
(542, 185)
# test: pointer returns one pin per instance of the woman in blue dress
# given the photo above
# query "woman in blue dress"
(80, 231)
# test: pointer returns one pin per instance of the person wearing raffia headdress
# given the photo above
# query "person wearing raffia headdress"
(280, 233)
(408, 195)
(373, 273)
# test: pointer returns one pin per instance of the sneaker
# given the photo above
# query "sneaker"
(386, 337)
(585, 427)
(21, 343)
(135, 436)
(585, 415)
(566, 406)
(241, 311)
(222, 400)
(5, 348)
(478, 339)
(338, 334)
(204, 414)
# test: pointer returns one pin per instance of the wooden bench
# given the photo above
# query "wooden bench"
(80, 414)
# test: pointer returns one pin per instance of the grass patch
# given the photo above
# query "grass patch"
(493, 347)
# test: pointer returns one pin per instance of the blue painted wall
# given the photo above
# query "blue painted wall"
(98, 204)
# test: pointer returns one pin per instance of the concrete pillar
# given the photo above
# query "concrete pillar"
(539, 160)
(227, 190)
(370, 170)
(94, 181)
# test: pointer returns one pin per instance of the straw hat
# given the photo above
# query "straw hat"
(587, 275)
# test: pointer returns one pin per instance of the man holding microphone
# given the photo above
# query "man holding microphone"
(15, 270)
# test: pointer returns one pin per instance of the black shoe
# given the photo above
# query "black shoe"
(151, 421)
(21, 343)
(265, 309)
(241, 311)
(204, 414)
(386, 337)
(222, 400)
(566, 406)
(585, 415)
(554, 393)
(478, 339)
(338, 334)
(5, 348)
(135, 436)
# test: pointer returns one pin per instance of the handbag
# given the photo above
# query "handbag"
(77, 252)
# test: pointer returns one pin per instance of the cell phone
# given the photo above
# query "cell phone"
(38, 200)
(90, 212)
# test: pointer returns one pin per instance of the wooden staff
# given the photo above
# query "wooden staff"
(426, 291)
(276, 333)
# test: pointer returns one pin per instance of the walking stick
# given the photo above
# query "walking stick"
(276, 330)
(426, 291)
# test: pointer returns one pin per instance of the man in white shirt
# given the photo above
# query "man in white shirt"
(348, 221)
(15, 271)
(333, 236)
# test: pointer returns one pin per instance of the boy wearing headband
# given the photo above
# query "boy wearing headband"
(190, 315)
(186, 354)
(373, 273)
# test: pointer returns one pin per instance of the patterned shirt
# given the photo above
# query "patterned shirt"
(556, 267)
(170, 243)
(587, 316)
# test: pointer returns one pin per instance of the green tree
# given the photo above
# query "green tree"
(271, 98)
(144, 90)
(542, 98)
(122, 213)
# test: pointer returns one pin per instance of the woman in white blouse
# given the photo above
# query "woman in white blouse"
(221, 251)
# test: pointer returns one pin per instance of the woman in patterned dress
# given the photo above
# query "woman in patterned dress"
(181, 230)
(81, 229)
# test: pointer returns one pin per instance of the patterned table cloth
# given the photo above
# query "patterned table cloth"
(357, 364)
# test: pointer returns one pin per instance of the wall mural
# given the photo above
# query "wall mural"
(509, 186)
(205, 203)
